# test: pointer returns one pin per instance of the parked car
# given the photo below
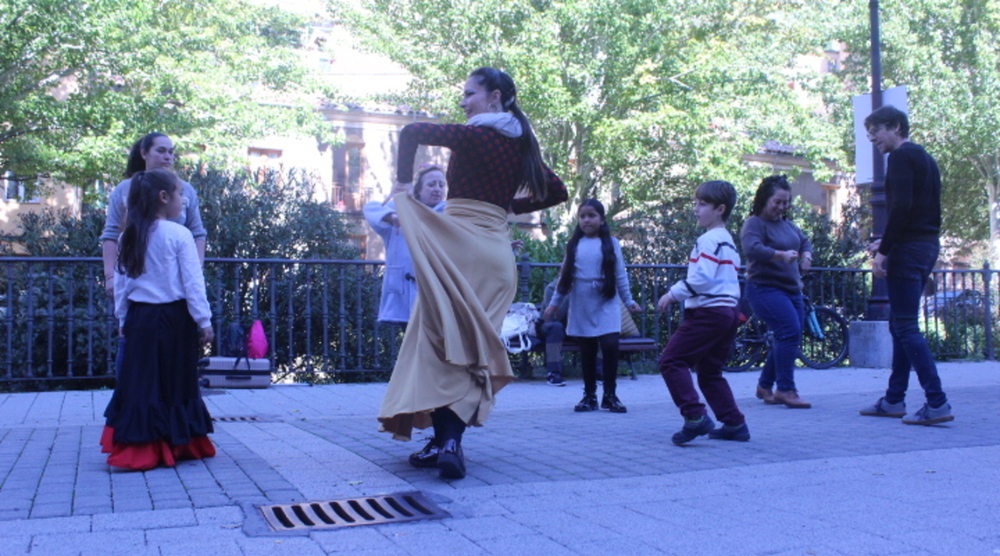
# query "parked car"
(968, 305)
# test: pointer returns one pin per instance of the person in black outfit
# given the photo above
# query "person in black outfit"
(905, 256)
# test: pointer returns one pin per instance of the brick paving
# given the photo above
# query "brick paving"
(542, 479)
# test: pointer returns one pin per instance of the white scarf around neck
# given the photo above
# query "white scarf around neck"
(504, 122)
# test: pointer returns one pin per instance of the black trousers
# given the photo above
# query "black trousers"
(588, 361)
(447, 425)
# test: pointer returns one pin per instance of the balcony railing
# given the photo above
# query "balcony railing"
(57, 323)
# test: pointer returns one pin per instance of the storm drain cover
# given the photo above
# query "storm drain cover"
(348, 512)
(236, 419)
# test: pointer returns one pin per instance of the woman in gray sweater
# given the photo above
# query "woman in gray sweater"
(777, 253)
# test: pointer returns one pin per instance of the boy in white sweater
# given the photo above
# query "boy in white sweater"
(705, 338)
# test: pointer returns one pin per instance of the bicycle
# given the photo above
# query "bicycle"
(824, 340)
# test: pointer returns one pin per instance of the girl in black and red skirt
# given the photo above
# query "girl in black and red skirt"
(156, 415)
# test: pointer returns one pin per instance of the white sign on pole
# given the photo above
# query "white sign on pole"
(895, 96)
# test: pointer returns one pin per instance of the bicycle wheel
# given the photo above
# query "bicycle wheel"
(824, 339)
(751, 345)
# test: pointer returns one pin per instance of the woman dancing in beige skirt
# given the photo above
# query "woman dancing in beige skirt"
(452, 362)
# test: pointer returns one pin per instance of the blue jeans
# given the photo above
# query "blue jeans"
(908, 266)
(784, 315)
(553, 333)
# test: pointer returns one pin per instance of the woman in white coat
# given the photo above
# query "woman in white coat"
(399, 286)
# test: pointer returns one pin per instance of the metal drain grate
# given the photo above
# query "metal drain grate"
(236, 419)
(349, 512)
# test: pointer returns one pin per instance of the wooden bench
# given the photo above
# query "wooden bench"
(626, 347)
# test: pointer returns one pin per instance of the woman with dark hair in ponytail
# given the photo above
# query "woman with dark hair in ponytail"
(152, 151)
(593, 275)
(452, 362)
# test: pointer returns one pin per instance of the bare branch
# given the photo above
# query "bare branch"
(4, 137)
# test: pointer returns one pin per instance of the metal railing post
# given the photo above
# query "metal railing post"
(9, 321)
(988, 309)
(50, 318)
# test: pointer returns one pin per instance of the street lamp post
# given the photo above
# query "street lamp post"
(878, 303)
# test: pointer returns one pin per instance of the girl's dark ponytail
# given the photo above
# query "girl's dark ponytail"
(140, 217)
(609, 263)
(566, 272)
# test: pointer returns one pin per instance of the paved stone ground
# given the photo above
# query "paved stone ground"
(542, 479)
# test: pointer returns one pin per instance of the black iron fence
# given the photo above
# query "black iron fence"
(57, 324)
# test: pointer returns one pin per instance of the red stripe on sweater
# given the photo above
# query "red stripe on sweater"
(711, 258)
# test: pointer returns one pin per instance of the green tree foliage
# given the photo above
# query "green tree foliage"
(635, 101)
(81, 81)
(274, 217)
(57, 233)
(946, 53)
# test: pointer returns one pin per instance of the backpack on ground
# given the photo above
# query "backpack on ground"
(519, 327)
(234, 341)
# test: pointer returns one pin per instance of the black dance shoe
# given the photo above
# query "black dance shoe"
(451, 460)
(613, 404)
(428, 457)
(588, 403)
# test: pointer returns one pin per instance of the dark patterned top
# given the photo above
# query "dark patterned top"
(484, 165)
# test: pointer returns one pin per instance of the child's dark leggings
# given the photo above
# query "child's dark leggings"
(588, 361)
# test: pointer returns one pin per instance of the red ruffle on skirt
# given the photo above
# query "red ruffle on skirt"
(143, 456)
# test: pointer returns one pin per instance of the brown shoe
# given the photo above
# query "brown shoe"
(766, 395)
(791, 399)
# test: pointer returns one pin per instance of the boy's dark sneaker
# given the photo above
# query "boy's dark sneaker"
(588, 403)
(613, 404)
(555, 379)
(740, 433)
(693, 429)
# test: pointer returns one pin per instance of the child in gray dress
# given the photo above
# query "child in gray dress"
(592, 272)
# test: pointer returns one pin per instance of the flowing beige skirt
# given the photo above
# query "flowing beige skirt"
(452, 355)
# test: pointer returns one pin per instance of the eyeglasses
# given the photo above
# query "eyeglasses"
(871, 132)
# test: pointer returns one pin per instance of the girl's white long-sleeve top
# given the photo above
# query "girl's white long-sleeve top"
(172, 272)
